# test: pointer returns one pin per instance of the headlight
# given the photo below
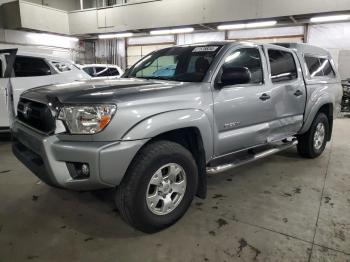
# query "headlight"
(87, 119)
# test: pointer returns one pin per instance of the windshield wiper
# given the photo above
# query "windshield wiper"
(154, 77)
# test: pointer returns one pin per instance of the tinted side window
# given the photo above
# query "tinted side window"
(101, 72)
(89, 71)
(248, 58)
(31, 66)
(319, 67)
(314, 66)
(327, 68)
(113, 71)
(62, 67)
(282, 65)
(1, 72)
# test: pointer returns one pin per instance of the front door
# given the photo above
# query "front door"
(242, 112)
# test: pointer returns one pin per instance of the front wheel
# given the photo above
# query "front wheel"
(313, 142)
(158, 187)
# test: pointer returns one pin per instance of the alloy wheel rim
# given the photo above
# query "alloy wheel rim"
(166, 189)
(319, 136)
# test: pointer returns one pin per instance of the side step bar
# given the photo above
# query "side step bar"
(236, 163)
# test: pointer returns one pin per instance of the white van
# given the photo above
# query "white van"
(30, 70)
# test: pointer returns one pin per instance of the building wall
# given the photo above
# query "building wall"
(168, 13)
(335, 37)
(43, 18)
(39, 43)
(66, 5)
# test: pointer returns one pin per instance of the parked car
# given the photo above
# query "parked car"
(30, 70)
(155, 138)
(100, 71)
(346, 96)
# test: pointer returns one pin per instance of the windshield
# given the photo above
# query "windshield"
(185, 64)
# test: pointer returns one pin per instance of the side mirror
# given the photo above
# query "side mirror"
(235, 76)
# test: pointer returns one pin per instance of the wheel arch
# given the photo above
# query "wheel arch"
(189, 128)
(324, 105)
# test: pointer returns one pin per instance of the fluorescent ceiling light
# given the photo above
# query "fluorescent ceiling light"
(249, 25)
(231, 27)
(120, 35)
(261, 24)
(51, 37)
(319, 19)
(172, 31)
(160, 32)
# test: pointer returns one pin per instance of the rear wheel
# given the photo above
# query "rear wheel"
(313, 142)
(158, 187)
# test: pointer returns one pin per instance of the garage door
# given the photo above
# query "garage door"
(136, 52)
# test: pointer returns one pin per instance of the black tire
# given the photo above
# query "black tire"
(131, 193)
(306, 146)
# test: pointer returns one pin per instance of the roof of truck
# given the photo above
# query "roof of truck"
(306, 48)
(301, 47)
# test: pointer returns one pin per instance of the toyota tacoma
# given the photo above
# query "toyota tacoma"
(155, 137)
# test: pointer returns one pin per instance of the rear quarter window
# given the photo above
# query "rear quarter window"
(283, 67)
(319, 67)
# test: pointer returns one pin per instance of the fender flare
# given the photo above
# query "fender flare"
(172, 120)
(310, 116)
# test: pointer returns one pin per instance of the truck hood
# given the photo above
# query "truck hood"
(98, 91)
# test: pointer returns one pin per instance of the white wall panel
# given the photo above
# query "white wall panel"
(43, 18)
(168, 13)
(66, 5)
(336, 38)
(266, 32)
(183, 39)
(336, 35)
(146, 40)
(37, 43)
(29, 38)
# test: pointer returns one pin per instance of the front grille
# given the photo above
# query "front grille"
(36, 115)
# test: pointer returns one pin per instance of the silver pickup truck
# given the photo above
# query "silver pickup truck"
(177, 115)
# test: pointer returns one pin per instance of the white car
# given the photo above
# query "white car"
(102, 71)
(21, 71)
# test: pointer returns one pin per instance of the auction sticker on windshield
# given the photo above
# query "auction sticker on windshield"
(205, 49)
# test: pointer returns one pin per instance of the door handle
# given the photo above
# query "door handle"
(298, 93)
(264, 97)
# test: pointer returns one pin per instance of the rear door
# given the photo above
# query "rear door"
(288, 95)
(7, 57)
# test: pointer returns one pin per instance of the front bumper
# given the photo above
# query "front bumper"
(47, 158)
